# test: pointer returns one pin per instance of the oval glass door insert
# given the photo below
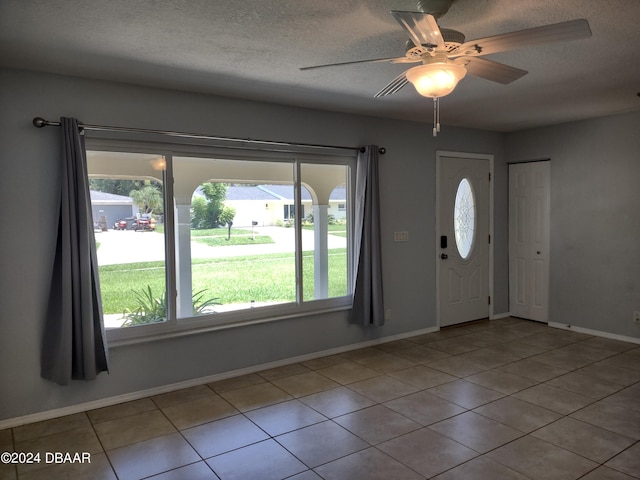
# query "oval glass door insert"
(464, 218)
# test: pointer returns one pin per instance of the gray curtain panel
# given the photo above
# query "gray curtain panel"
(73, 346)
(368, 307)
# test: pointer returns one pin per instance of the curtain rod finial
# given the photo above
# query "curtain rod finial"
(381, 150)
(39, 122)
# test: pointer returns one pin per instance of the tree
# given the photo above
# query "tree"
(226, 218)
(208, 215)
(199, 213)
(148, 199)
(215, 193)
(116, 186)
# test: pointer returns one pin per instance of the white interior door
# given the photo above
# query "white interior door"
(529, 243)
(463, 239)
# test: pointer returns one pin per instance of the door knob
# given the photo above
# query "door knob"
(444, 256)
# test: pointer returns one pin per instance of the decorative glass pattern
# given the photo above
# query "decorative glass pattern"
(464, 218)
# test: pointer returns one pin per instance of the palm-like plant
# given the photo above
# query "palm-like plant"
(153, 309)
(200, 304)
(149, 310)
(147, 198)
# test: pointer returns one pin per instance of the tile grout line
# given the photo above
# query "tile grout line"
(104, 450)
(380, 374)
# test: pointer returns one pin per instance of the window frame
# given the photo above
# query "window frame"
(174, 326)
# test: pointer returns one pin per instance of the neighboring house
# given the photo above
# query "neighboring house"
(270, 204)
(107, 208)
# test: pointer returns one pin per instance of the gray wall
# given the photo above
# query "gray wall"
(29, 178)
(595, 219)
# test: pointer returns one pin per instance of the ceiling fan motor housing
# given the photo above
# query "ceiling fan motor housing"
(452, 40)
(437, 8)
(452, 36)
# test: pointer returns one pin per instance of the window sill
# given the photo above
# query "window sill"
(197, 325)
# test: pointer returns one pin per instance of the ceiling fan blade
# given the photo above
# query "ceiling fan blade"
(571, 30)
(421, 27)
(406, 60)
(375, 60)
(490, 70)
(393, 86)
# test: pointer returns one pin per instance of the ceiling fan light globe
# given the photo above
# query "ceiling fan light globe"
(436, 80)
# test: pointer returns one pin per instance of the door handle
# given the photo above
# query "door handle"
(444, 256)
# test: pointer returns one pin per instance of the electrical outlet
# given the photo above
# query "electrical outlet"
(401, 236)
(387, 314)
(636, 316)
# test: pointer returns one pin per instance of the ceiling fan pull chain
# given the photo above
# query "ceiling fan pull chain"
(436, 116)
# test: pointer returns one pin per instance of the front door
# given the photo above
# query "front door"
(463, 238)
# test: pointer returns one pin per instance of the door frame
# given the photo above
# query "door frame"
(477, 156)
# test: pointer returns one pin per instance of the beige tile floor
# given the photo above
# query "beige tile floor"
(506, 399)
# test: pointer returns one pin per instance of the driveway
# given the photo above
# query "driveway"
(127, 246)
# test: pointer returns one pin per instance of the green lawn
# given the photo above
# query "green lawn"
(221, 241)
(263, 278)
(209, 232)
(219, 232)
(217, 237)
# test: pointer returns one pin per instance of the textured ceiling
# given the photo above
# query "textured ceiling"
(253, 49)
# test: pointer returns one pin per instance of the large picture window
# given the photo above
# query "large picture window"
(226, 238)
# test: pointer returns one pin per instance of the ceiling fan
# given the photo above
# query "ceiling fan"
(446, 57)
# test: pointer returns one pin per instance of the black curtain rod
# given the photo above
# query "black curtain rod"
(41, 122)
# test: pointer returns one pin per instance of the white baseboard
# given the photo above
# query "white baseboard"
(498, 316)
(595, 333)
(128, 397)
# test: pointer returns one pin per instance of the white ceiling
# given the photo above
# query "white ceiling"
(253, 49)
